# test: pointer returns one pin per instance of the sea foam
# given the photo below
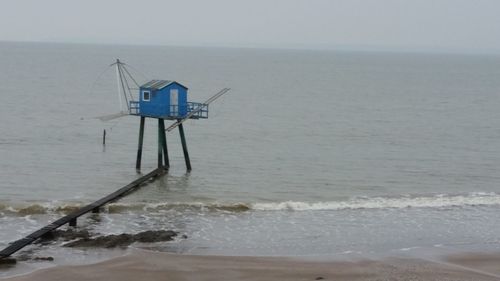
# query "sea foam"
(428, 201)
(436, 201)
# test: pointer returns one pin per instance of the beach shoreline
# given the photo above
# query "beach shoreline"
(149, 265)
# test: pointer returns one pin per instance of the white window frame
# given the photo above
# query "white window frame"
(149, 95)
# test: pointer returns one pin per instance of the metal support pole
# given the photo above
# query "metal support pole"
(164, 144)
(184, 148)
(139, 149)
(104, 137)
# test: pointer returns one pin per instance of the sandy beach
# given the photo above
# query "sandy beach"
(145, 265)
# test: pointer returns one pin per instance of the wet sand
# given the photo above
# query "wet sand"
(144, 265)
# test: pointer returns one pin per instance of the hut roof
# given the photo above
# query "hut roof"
(159, 84)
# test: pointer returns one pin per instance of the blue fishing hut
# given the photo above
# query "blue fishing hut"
(162, 100)
(166, 99)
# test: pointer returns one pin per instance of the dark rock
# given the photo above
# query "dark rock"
(8, 261)
(25, 256)
(43, 259)
(122, 240)
(29, 257)
(65, 235)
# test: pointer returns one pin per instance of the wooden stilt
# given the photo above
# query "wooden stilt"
(164, 144)
(160, 145)
(139, 149)
(184, 148)
(104, 137)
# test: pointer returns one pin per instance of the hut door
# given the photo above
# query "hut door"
(174, 101)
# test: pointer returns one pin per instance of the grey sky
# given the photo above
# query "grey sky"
(468, 25)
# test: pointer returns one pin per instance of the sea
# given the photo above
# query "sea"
(312, 153)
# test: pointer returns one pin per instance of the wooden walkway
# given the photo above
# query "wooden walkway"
(71, 218)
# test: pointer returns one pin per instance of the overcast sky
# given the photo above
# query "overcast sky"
(456, 25)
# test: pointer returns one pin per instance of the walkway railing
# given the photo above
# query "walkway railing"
(134, 107)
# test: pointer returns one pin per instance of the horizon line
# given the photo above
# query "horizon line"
(298, 47)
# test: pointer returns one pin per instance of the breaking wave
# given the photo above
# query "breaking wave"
(435, 201)
(38, 208)
(51, 208)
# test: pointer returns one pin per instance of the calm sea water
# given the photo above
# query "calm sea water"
(311, 153)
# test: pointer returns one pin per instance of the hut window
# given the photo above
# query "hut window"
(146, 96)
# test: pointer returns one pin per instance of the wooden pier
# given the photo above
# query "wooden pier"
(71, 219)
(158, 99)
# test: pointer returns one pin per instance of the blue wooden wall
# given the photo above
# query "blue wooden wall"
(159, 104)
